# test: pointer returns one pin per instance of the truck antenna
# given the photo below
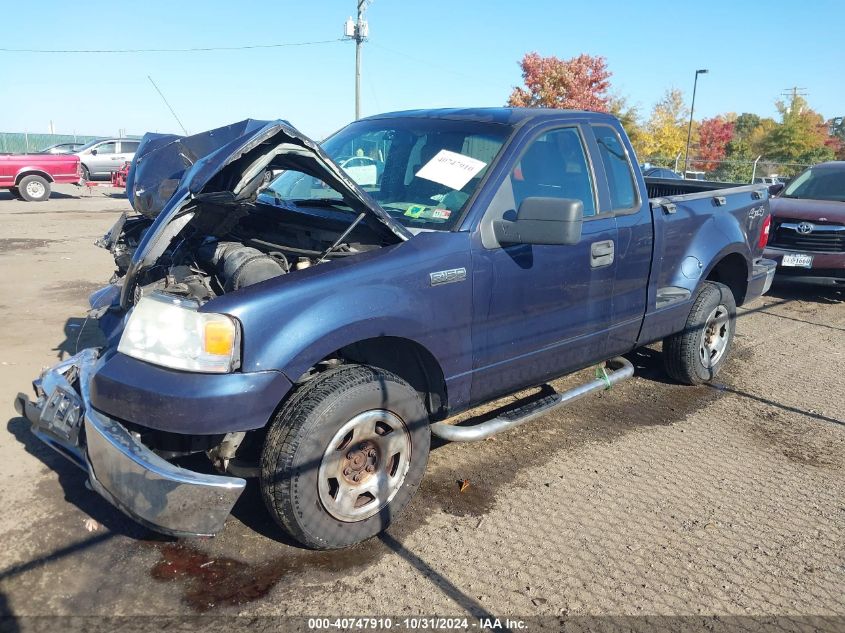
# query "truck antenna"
(168, 105)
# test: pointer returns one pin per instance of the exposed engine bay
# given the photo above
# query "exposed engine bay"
(225, 248)
(201, 229)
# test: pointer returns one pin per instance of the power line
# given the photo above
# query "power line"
(794, 92)
(167, 50)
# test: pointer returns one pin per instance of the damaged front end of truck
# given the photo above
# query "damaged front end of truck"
(195, 233)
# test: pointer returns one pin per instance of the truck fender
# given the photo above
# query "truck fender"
(716, 240)
(31, 171)
(313, 331)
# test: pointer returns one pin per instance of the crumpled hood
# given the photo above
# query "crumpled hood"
(229, 163)
(226, 166)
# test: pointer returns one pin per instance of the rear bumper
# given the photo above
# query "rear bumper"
(762, 276)
(154, 492)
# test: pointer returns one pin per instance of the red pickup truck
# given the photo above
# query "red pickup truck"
(29, 176)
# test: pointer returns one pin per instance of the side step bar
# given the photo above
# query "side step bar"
(620, 369)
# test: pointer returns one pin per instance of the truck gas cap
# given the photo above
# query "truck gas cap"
(691, 267)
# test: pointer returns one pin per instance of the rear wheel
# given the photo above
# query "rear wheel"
(344, 456)
(699, 352)
(34, 188)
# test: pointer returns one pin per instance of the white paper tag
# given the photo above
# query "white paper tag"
(451, 169)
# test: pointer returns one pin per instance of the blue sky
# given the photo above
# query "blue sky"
(421, 53)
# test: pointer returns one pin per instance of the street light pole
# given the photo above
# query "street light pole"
(703, 71)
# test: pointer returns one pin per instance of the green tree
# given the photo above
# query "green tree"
(837, 136)
(801, 135)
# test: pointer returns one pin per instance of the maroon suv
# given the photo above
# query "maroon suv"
(807, 235)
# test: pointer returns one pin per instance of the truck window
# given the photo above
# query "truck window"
(620, 177)
(555, 166)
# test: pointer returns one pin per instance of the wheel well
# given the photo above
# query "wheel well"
(732, 270)
(32, 172)
(408, 360)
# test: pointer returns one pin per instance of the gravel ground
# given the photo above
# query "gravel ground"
(651, 499)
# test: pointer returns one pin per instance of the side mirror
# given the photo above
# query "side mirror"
(543, 221)
(93, 152)
(776, 189)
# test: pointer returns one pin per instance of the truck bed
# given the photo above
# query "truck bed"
(693, 223)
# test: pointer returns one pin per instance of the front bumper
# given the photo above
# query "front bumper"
(828, 269)
(154, 492)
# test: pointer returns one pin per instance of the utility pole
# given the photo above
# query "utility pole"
(358, 30)
(793, 93)
(703, 71)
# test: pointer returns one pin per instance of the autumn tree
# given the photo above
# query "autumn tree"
(580, 83)
(666, 129)
(801, 135)
(713, 138)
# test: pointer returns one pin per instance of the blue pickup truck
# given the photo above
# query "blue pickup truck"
(313, 325)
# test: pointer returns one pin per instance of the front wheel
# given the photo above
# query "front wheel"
(697, 354)
(344, 456)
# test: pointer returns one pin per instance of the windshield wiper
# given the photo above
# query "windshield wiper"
(320, 202)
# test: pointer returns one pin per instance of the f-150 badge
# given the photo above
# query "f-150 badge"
(448, 276)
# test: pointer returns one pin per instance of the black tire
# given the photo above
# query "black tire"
(297, 460)
(86, 175)
(34, 188)
(692, 356)
(16, 194)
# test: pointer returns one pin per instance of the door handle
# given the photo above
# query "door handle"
(601, 253)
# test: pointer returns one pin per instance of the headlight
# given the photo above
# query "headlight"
(170, 332)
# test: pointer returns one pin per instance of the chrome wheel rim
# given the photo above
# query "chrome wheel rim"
(364, 465)
(714, 338)
(35, 189)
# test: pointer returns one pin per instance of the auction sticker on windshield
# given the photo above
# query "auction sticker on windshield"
(451, 169)
(797, 259)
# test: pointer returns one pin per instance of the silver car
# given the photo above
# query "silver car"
(101, 157)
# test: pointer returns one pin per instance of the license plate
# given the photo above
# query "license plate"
(797, 259)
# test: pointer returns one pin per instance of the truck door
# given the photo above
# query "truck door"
(542, 310)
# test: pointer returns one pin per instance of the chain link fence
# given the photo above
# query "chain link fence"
(23, 142)
(739, 171)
